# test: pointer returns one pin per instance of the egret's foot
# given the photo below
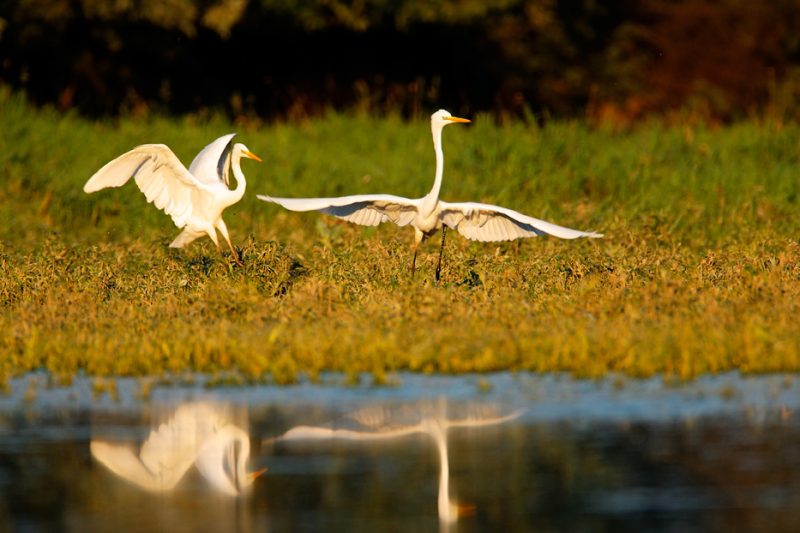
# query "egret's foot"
(237, 258)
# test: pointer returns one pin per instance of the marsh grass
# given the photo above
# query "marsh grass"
(698, 271)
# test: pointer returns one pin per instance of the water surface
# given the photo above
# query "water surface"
(718, 453)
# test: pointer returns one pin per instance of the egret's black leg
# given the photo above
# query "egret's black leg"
(236, 257)
(414, 262)
(441, 251)
(235, 254)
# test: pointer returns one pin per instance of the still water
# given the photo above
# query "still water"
(508, 452)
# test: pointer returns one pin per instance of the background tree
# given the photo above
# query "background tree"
(612, 61)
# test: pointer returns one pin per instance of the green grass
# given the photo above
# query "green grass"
(699, 270)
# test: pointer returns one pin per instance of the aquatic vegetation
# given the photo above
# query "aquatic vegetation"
(698, 271)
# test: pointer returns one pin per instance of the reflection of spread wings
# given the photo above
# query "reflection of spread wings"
(320, 433)
(363, 209)
(381, 423)
(386, 418)
(431, 418)
(158, 173)
(487, 223)
(167, 454)
(447, 415)
(480, 419)
(162, 474)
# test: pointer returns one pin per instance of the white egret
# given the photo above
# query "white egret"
(475, 221)
(197, 434)
(194, 198)
(385, 424)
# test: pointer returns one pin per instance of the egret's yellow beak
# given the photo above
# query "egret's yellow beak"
(251, 155)
(458, 119)
(257, 473)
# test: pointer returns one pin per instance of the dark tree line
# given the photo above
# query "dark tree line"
(622, 60)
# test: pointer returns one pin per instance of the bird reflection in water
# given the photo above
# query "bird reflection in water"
(200, 434)
(384, 423)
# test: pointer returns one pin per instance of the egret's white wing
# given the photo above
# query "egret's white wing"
(479, 419)
(363, 209)
(321, 433)
(160, 176)
(174, 445)
(486, 223)
(391, 418)
(121, 460)
(170, 449)
(213, 162)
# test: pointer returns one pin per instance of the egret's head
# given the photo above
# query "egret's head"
(247, 153)
(442, 118)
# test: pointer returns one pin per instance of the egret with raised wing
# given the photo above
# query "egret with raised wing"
(194, 198)
(475, 221)
(197, 434)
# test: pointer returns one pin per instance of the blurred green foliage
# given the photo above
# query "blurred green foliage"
(613, 61)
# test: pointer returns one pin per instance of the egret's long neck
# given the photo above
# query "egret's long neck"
(432, 198)
(242, 480)
(236, 194)
(446, 513)
(220, 463)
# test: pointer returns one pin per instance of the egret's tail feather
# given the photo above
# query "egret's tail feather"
(185, 237)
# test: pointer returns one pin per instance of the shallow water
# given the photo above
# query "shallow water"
(718, 453)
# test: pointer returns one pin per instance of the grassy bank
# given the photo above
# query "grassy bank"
(699, 270)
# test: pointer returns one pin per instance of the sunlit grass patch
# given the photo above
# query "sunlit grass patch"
(698, 271)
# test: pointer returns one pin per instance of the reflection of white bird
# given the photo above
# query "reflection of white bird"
(475, 221)
(380, 424)
(194, 198)
(197, 433)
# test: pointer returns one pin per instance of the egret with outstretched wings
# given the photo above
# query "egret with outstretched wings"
(475, 221)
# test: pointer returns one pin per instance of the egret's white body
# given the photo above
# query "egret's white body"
(475, 221)
(381, 424)
(194, 198)
(197, 434)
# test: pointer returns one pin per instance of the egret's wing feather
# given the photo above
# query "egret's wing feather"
(187, 236)
(159, 175)
(172, 448)
(481, 419)
(390, 418)
(321, 433)
(121, 460)
(363, 209)
(484, 222)
(213, 162)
